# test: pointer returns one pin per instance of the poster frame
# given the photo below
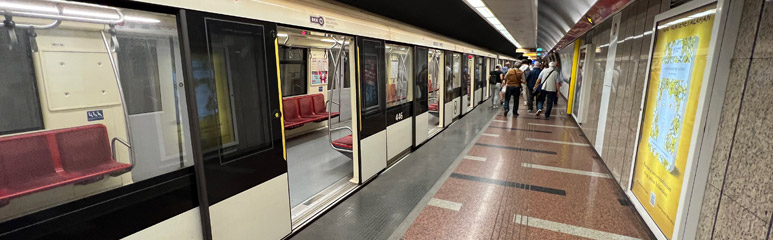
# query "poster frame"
(715, 78)
(587, 78)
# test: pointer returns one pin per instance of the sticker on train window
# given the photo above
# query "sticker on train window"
(95, 115)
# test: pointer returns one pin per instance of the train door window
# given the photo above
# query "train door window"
(371, 59)
(82, 148)
(480, 72)
(457, 70)
(434, 76)
(399, 61)
(293, 65)
(19, 100)
(238, 105)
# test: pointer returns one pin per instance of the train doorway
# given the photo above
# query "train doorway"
(316, 74)
(435, 96)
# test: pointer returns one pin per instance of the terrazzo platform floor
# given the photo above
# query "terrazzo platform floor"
(512, 178)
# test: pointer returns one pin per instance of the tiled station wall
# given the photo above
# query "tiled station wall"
(738, 203)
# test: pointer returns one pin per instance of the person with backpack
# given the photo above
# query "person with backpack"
(495, 83)
(512, 82)
(547, 87)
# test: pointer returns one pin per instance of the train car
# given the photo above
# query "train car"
(197, 119)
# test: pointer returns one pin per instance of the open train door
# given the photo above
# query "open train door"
(371, 106)
(480, 80)
(241, 170)
(421, 96)
(452, 86)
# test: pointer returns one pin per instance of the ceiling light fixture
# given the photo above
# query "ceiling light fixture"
(484, 12)
(141, 19)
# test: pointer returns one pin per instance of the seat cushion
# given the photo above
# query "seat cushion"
(319, 104)
(306, 107)
(290, 108)
(344, 142)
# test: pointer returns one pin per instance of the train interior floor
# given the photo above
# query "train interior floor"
(314, 166)
(488, 176)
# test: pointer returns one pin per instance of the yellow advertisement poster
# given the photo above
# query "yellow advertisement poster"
(676, 75)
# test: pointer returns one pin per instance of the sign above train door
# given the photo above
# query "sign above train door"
(324, 22)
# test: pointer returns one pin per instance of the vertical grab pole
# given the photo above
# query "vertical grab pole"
(123, 99)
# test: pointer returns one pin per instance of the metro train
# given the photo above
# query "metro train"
(225, 119)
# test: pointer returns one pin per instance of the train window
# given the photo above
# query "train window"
(19, 100)
(85, 138)
(139, 69)
(342, 67)
(293, 65)
(399, 61)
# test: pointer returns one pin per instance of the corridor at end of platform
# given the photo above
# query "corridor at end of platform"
(491, 177)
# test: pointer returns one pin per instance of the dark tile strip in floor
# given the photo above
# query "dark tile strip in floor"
(517, 148)
(521, 129)
(510, 184)
(589, 208)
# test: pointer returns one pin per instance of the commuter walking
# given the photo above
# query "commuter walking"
(502, 76)
(531, 81)
(512, 82)
(525, 69)
(548, 84)
(495, 84)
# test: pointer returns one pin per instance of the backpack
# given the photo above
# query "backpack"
(493, 77)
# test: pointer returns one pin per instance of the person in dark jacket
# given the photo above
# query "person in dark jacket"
(531, 79)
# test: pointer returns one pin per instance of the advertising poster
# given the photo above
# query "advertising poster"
(676, 75)
(319, 70)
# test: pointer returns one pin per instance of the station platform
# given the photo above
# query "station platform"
(490, 177)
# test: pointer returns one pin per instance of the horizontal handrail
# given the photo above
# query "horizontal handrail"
(10, 11)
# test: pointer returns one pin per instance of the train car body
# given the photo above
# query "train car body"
(226, 110)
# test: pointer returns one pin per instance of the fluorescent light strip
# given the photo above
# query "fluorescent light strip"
(484, 12)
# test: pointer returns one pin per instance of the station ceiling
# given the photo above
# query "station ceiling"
(519, 17)
(533, 23)
(556, 17)
(452, 18)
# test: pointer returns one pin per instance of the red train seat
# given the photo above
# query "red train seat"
(344, 142)
(392, 93)
(433, 107)
(307, 109)
(319, 106)
(35, 162)
(292, 117)
(96, 162)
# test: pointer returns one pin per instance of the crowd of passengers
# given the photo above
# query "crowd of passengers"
(538, 86)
